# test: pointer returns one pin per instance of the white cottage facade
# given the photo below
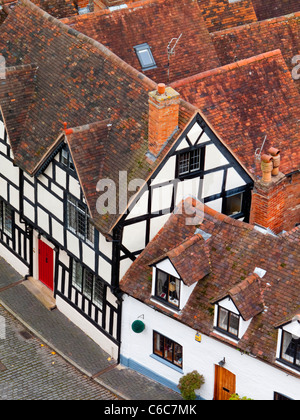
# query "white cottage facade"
(241, 373)
(212, 298)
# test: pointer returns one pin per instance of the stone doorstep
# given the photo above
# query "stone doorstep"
(41, 292)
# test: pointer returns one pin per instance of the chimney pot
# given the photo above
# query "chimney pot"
(275, 153)
(67, 130)
(161, 88)
(267, 167)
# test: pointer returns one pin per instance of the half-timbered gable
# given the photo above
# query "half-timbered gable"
(55, 206)
(199, 165)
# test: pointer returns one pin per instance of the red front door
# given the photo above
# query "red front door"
(46, 264)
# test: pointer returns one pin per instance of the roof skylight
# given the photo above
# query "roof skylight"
(144, 54)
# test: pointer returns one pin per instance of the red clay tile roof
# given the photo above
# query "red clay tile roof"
(221, 14)
(77, 80)
(156, 23)
(57, 8)
(236, 249)
(17, 93)
(293, 235)
(247, 100)
(266, 9)
(261, 37)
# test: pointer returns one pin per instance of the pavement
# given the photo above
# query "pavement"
(66, 339)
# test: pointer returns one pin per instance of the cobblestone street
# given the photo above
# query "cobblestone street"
(30, 370)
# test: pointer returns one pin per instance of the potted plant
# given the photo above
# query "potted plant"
(189, 383)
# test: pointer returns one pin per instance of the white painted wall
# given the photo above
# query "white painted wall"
(254, 378)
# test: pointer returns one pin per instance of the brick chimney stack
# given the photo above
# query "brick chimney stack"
(163, 117)
(268, 196)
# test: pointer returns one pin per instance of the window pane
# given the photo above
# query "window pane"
(98, 293)
(168, 354)
(234, 324)
(298, 353)
(1, 214)
(64, 157)
(158, 344)
(145, 58)
(174, 291)
(184, 163)
(88, 283)
(288, 347)
(77, 276)
(72, 216)
(81, 223)
(71, 164)
(7, 219)
(90, 231)
(178, 355)
(195, 160)
(223, 319)
(162, 285)
(234, 204)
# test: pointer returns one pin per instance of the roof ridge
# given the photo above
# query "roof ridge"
(22, 67)
(87, 127)
(186, 244)
(266, 22)
(227, 67)
(134, 5)
(140, 77)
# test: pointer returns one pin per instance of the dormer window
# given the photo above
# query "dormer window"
(237, 307)
(176, 273)
(145, 56)
(167, 288)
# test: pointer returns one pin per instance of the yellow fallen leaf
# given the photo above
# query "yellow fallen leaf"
(53, 352)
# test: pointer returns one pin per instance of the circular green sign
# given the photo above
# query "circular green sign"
(138, 327)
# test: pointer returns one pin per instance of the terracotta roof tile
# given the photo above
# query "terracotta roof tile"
(247, 297)
(154, 22)
(222, 14)
(246, 101)
(251, 40)
(184, 257)
(266, 9)
(74, 79)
